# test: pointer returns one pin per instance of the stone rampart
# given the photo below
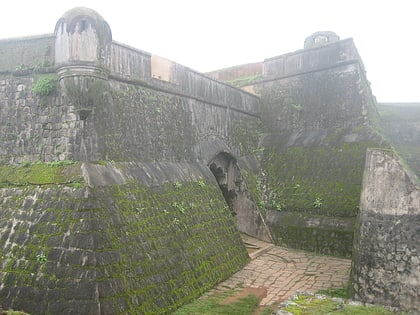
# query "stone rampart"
(108, 203)
(386, 248)
(183, 116)
(319, 116)
(312, 59)
(132, 238)
(129, 63)
(26, 54)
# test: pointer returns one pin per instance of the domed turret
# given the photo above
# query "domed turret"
(320, 39)
(83, 42)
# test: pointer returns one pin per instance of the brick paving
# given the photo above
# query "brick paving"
(283, 271)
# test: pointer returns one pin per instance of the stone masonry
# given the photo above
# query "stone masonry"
(386, 255)
(125, 177)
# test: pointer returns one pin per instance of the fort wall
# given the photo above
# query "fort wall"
(28, 53)
(319, 117)
(386, 258)
(312, 59)
(123, 174)
(109, 204)
(137, 238)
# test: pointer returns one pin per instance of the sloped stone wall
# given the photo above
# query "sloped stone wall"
(318, 127)
(140, 239)
(386, 261)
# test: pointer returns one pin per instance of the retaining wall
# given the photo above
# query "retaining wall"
(129, 238)
(386, 261)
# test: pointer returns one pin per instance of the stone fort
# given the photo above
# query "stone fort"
(126, 178)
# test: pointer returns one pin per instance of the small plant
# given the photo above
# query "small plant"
(45, 85)
(192, 205)
(179, 206)
(175, 221)
(26, 164)
(139, 210)
(297, 107)
(41, 258)
(76, 185)
(317, 203)
(201, 183)
(274, 203)
(177, 185)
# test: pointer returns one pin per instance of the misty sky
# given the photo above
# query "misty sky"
(209, 35)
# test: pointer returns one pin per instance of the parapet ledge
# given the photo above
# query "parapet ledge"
(303, 50)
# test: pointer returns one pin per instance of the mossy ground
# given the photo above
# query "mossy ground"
(312, 305)
(216, 304)
(302, 305)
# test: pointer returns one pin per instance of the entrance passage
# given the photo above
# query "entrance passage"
(227, 174)
(248, 219)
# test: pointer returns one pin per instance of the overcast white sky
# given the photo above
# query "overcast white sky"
(212, 34)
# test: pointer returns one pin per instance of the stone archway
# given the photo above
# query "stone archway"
(227, 175)
(247, 217)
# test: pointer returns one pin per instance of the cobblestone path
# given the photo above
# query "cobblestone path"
(283, 271)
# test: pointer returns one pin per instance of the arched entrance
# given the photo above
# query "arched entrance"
(248, 219)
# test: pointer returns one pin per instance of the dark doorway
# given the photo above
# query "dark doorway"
(248, 218)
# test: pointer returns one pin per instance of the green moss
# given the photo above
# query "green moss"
(166, 216)
(301, 176)
(246, 135)
(158, 247)
(336, 242)
(337, 292)
(245, 80)
(53, 173)
(214, 305)
(311, 305)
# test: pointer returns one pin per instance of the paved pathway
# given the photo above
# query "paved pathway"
(282, 272)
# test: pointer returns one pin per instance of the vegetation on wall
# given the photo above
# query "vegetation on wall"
(322, 180)
(155, 248)
(45, 85)
(61, 172)
(247, 134)
(245, 80)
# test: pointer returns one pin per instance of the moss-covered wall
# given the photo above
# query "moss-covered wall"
(323, 234)
(322, 182)
(129, 248)
(317, 126)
